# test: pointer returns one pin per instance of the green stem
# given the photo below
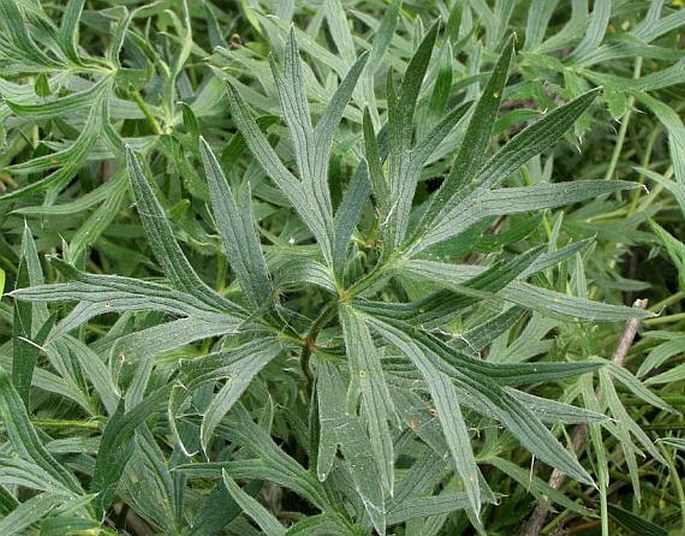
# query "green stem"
(66, 424)
(151, 119)
(665, 319)
(618, 148)
(8, 266)
(674, 400)
(325, 316)
(305, 358)
(653, 196)
(674, 298)
(219, 283)
(604, 511)
(669, 426)
(619, 213)
(645, 164)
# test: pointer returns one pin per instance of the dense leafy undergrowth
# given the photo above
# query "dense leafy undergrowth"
(341, 267)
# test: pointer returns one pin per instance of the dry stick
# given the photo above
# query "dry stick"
(539, 515)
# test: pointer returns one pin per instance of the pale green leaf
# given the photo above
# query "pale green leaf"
(237, 229)
(428, 506)
(556, 412)
(365, 368)
(69, 30)
(533, 140)
(594, 34)
(539, 14)
(338, 428)
(161, 338)
(326, 524)
(511, 201)
(453, 425)
(274, 168)
(549, 303)
(164, 244)
(520, 421)
(69, 160)
(99, 294)
(79, 204)
(97, 223)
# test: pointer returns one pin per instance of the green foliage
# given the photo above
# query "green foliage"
(337, 268)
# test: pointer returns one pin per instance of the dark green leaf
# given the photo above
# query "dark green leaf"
(266, 521)
(634, 523)
(470, 155)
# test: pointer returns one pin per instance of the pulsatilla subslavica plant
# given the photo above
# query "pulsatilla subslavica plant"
(363, 311)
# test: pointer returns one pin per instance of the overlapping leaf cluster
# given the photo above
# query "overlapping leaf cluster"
(331, 316)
